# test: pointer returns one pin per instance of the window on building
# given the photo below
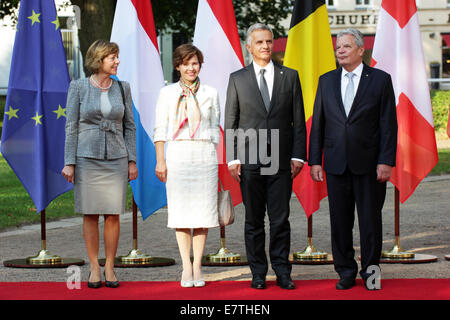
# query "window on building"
(363, 3)
(331, 3)
(448, 3)
(445, 56)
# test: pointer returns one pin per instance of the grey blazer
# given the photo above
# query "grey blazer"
(89, 134)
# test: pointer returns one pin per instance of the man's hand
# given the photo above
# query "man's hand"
(235, 171)
(384, 172)
(316, 173)
(296, 167)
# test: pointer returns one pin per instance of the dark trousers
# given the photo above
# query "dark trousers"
(344, 191)
(274, 192)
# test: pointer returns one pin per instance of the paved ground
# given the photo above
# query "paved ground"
(424, 228)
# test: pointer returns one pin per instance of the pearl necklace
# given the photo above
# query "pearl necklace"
(99, 86)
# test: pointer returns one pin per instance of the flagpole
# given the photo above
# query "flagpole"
(136, 258)
(44, 256)
(44, 259)
(223, 257)
(310, 253)
(396, 254)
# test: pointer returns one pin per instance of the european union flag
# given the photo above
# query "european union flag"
(35, 115)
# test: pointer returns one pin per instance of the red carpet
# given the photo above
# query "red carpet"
(392, 289)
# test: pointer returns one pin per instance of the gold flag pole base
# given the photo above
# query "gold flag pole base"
(224, 257)
(135, 255)
(44, 257)
(310, 253)
(136, 258)
(397, 252)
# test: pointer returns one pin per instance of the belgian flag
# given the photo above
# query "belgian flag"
(309, 50)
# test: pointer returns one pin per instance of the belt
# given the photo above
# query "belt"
(103, 124)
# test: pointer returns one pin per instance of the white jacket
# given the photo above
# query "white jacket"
(208, 102)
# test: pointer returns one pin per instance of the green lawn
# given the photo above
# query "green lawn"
(16, 207)
(443, 166)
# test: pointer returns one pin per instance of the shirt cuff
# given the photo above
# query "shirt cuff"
(237, 161)
(296, 159)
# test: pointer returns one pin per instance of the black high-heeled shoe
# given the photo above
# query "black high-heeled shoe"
(94, 285)
(110, 284)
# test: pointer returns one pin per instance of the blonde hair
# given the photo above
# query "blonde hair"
(99, 50)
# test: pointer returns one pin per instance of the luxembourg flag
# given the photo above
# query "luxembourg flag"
(216, 35)
(140, 64)
(398, 51)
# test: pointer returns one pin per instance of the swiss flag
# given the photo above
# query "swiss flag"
(398, 51)
(216, 35)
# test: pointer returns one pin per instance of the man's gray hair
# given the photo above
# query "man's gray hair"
(359, 38)
(256, 26)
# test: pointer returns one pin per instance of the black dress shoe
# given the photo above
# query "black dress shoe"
(345, 283)
(258, 282)
(111, 284)
(285, 282)
(94, 285)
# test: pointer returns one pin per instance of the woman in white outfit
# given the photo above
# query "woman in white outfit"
(187, 117)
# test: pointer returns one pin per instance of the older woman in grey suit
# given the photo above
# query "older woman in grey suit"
(100, 153)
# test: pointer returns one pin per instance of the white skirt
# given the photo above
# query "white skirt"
(192, 184)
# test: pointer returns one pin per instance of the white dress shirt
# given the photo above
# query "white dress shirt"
(269, 75)
(356, 78)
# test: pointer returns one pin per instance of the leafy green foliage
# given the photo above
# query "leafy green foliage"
(8, 8)
(440, 101)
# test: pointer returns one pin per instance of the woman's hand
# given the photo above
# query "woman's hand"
(161, 171)
(132, 171)
(68, 173)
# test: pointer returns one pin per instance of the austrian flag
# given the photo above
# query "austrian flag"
(398, 51)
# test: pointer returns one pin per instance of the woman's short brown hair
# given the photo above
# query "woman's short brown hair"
(185, 52)
(99, 50)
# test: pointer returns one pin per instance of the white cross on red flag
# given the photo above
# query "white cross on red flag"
(398, 51)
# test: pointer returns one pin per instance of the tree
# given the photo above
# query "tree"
(8, 8)
(176, 16)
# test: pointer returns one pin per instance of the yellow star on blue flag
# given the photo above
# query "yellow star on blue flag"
(56, 23)
(12, 113)
(34, 18)
(61, 112)
(37, 118)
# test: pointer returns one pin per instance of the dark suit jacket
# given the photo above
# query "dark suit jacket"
(245, 110)
(367, 137)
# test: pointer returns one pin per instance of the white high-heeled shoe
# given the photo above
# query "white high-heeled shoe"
(199, 283)
(186, 283)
